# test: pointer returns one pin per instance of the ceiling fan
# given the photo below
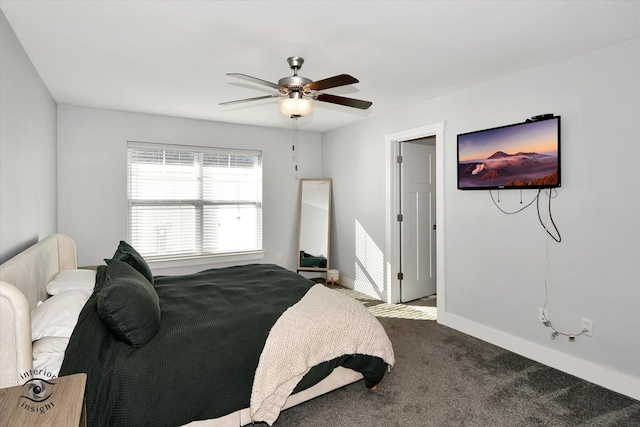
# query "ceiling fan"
(297, 91)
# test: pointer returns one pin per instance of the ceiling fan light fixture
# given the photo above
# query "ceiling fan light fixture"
(295, 107)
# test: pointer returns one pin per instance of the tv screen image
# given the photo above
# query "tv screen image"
(522, 155)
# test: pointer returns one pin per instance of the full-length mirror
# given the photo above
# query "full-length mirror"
(314, 220)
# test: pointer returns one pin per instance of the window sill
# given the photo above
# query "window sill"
(162, 264)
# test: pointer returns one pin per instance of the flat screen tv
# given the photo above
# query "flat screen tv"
(518, 156)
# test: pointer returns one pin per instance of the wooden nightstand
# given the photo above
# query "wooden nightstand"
(56, 402)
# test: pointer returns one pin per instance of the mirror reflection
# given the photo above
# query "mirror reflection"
(314, 224)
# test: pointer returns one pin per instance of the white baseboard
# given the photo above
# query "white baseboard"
(604, 377)
(347, 282)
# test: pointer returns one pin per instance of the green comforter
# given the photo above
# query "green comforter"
(201, 362)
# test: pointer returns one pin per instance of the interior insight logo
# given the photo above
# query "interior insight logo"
(36, 395)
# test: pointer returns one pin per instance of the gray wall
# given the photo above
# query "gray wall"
(496, 265)
(28, 199)
(93, 175)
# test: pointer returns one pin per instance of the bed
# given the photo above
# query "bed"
(309, 341)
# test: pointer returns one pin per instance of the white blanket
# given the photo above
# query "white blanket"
(322, 326)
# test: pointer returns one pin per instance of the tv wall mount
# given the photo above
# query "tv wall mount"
(540, 118)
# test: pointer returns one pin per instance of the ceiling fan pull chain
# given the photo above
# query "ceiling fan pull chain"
(293, 147)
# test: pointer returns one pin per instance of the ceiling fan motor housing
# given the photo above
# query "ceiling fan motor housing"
(294, 82)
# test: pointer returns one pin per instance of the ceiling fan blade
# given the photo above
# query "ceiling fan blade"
(341, 80)
(255, 80)
(349, 102)
(275, 95)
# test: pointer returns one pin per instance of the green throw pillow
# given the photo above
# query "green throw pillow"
(126, 253)
(128, 304)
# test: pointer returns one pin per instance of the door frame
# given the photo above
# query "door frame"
(392, 149)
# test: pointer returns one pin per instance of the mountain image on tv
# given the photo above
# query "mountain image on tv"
(524, 155)
(509, 170)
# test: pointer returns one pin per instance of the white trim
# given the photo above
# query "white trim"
(392, 236)
(588, 371)
(199, 148)
(161, 264)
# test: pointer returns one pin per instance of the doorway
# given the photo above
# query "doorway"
(394, 142)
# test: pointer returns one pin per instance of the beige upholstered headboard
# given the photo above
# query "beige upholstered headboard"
(23, 282)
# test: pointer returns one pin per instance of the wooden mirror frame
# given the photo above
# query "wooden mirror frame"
(301, 224)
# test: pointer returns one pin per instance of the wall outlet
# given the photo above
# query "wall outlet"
(543, 315)
(587, 327)
(278, 257)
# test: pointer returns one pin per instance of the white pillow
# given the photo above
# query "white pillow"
(57, 316)
(72, 279)
(48, 354)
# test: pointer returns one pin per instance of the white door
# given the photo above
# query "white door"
(417, 227)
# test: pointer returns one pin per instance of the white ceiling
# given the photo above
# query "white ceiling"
(171, 57)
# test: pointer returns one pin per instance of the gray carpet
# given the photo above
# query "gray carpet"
(445, 378)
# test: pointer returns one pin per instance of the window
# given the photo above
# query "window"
(193, 201)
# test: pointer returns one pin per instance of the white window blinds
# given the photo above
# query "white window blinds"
(193, 201)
